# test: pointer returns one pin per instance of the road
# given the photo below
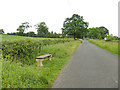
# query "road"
(89, 67)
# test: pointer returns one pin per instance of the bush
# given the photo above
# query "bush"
(110, 38)
(21, 50)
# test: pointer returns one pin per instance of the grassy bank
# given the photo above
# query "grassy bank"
(19, 75)
(111, 46)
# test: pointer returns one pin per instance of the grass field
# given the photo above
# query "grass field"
(111, 46)
(20, 75)
(15, 37)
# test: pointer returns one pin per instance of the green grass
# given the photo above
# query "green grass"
(22, 50)
(17, 75)
(15, 37)
(111, 46)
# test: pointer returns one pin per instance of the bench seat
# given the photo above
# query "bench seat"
(43, 56)
(39, 59)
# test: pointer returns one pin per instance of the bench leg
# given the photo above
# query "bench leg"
(39, 62)
(49, 58)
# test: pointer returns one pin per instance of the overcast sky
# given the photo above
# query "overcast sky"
(53, 13)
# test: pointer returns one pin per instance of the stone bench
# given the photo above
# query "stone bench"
(39, 59)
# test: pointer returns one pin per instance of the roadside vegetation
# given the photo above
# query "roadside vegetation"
(111, 46)
(19, 67)
(19, 49)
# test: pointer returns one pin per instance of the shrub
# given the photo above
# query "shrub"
(110, 37)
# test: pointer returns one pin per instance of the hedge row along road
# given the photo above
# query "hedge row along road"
(89, 67)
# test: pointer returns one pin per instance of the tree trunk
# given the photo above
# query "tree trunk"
(74, 36)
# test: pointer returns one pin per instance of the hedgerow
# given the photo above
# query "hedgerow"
(25, 50)
(18, 75)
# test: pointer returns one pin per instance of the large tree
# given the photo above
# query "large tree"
(75, 26)
(24, 26)
(42, 29)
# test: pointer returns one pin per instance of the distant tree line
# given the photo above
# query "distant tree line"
(42, 31)
(73, 27)
(97, 33)
(100, 33)
(76, 27)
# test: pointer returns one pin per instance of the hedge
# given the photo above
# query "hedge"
(25, 50)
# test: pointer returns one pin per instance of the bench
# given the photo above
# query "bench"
(39, 59)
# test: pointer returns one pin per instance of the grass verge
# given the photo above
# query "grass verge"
(17, 75)
(111, 46)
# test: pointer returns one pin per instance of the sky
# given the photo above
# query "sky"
(53, 13)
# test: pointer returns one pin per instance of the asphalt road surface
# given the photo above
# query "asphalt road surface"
(89, 67)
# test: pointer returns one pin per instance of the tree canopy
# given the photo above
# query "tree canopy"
(23, 27)
(97, 33)
(75, 26)
(42, 29)
(31, 34)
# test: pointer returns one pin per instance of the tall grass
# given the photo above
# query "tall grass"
(19, 75)
(111, 46)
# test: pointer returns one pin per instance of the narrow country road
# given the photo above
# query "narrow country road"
(89, 67)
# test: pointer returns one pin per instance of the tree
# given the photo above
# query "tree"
(42, 29)
(23, 27)
(93, 33)
(104, 31)
(1, 31)
(97, 33)
(75, 26)
(109, 37)
(31, 34)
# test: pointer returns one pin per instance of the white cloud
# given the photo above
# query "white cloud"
(53, 12)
